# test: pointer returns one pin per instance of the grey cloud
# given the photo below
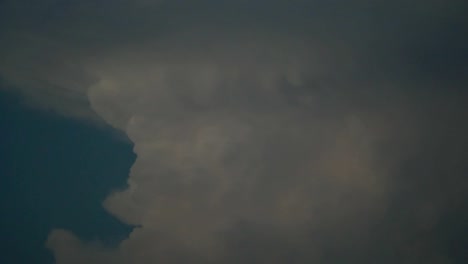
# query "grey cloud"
(265, 131)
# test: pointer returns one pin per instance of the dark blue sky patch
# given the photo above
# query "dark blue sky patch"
(55, 173)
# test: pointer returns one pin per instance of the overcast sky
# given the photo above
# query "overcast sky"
(262, 131)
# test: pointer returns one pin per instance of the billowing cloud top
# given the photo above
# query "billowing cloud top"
(266, 131)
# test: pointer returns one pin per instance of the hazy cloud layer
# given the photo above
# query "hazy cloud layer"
(266, 131)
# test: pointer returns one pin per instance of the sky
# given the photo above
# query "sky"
(35, 195)
(234, 131)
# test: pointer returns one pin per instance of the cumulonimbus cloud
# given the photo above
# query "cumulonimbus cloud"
(253, 144)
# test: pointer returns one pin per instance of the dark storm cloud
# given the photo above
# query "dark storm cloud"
(266, 131)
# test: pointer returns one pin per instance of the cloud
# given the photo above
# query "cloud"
(276, 133)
